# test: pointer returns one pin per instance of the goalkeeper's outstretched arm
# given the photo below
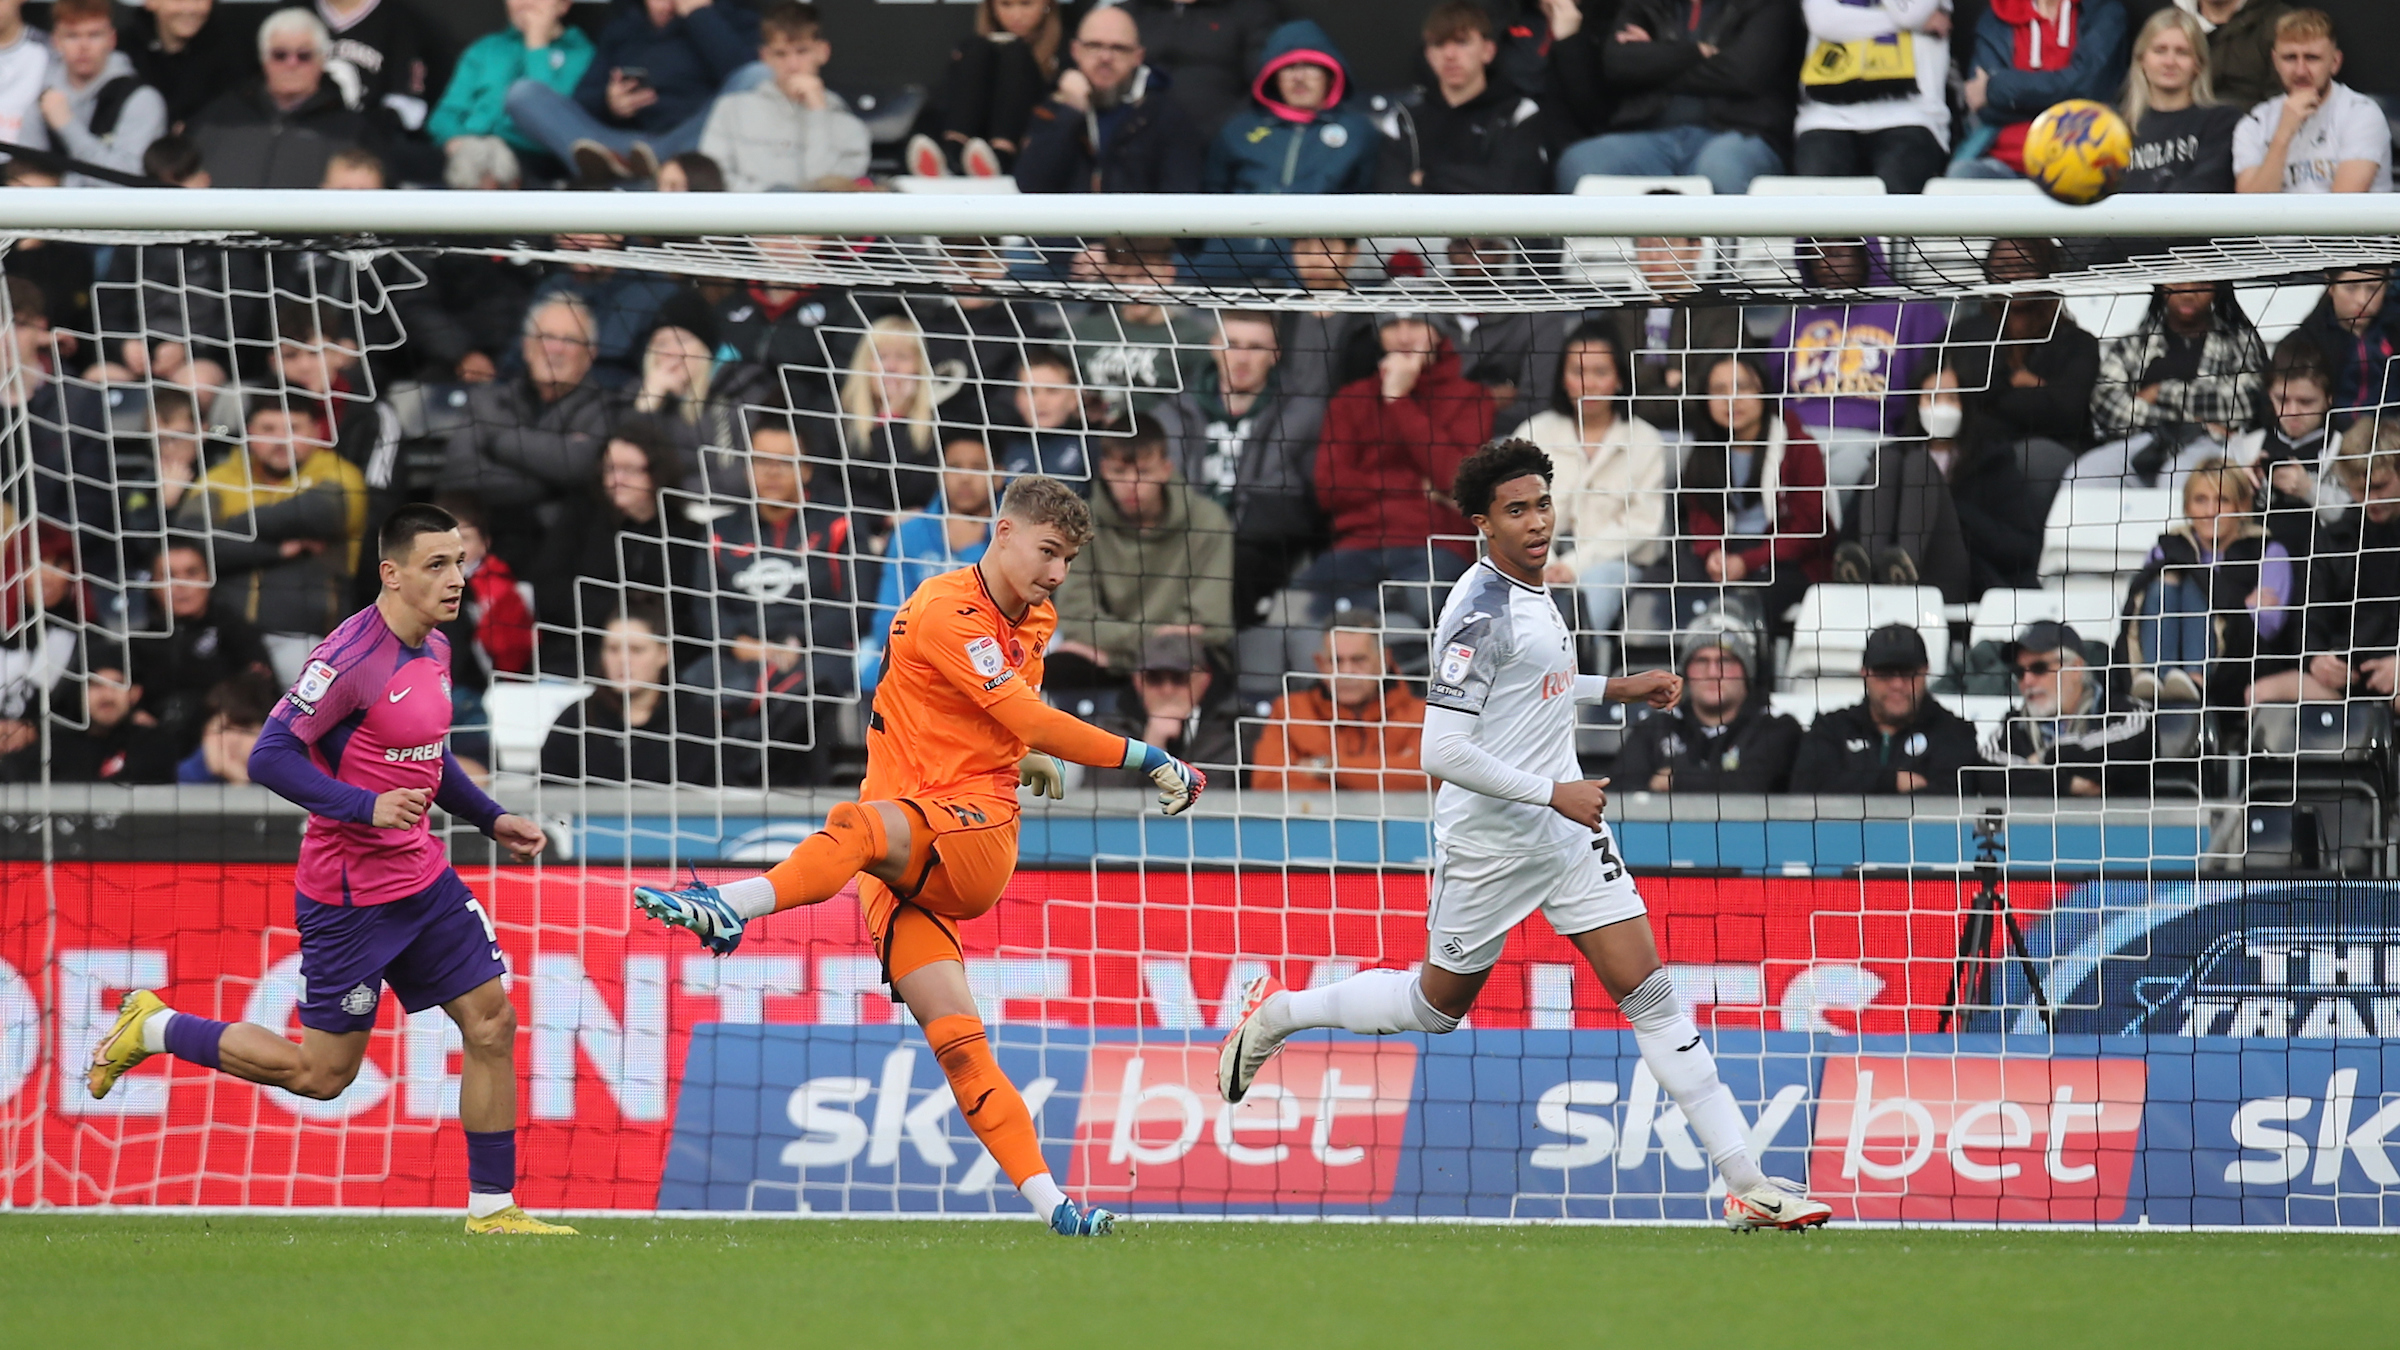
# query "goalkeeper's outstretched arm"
(1069, 737)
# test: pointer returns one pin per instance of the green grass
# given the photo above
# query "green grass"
(258, 1283)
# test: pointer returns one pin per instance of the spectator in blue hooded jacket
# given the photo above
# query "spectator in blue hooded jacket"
(1298, 136)
(655, 72)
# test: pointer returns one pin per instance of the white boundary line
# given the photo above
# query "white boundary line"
(1391, 1220)
(1193, 215)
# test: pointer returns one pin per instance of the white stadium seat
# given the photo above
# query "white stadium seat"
(521, 713)
(2103, 528)
(2089, 604)
(1830, 636)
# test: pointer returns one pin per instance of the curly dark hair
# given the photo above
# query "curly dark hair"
(1493, 463)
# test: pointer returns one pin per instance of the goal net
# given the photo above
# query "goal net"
(2022, 843)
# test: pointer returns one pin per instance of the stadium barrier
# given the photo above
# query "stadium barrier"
(778, 1080)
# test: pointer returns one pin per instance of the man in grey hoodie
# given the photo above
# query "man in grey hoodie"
(97, 109)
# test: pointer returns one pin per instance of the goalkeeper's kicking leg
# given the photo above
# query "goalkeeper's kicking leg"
(1625, 957)
(888, 841)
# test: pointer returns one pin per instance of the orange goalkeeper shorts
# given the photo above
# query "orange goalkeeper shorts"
(974, 854)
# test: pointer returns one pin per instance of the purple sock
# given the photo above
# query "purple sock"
(194, 1040)
(491, 1161)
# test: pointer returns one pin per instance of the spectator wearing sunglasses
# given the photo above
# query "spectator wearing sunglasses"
(281, 130)
(2065, 738)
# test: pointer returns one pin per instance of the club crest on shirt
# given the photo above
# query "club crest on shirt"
(1456, 658)
(315, 683)
(985, 654)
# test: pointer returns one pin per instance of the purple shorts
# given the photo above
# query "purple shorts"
(431, 948)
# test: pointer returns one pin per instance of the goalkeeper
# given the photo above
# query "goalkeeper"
(958, 725)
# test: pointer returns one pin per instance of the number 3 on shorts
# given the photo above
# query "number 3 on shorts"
(490, 932)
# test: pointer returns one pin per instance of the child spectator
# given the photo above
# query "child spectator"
(2295, 455)
(98, 110)
(1299, 136)
(976, 120)
(1708, 89)
(1357, 728)
(2241, 46)
(1875, 92)
(1049, 406)
(539, 45)
(1753, 494)
(2030, 54)
(1112, 124)
(2211, 599)
(187, 52)
(1611, 487)
(2320, 135)
(1470, 132)
(656, 69)
(2182, 137)
(2351, 648)
(792, 130)
(2356, 330)
(952, 531)
(1210, 47)
(627, 730)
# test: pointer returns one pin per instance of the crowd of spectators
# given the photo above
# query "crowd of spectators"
(706, 499)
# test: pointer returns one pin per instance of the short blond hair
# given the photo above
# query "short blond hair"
(1038, 499)
(2304, 25)
(2368, 444)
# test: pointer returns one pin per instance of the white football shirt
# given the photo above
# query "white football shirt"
(2348, 125)
(1503, 653)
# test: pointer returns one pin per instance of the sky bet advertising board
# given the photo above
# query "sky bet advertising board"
(2224, 1054)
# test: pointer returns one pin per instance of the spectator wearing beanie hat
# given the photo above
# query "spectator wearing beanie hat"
(1723, 737)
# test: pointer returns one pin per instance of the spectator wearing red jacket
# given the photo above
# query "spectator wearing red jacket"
(493, 632)
(1753, 496)
(1391, 444)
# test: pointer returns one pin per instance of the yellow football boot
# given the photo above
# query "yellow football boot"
(514, 1220)
(121, 1048)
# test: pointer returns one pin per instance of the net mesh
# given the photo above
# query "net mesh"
(702, 475)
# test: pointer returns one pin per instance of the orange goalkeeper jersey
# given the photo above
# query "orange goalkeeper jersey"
(960, 698)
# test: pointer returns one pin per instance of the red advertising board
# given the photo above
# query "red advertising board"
(606, 1008)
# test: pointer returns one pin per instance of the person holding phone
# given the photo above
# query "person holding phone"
(656, 71)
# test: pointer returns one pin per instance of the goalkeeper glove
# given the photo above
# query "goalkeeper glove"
(1041, 773)
(1179, 784)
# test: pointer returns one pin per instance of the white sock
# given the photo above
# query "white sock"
(751, 897)
(1370, 1003)
(154, 1034)
(485, 1204)
(1041, 1192)
(1682, 1064)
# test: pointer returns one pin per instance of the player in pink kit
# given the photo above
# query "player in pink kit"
(361, 742)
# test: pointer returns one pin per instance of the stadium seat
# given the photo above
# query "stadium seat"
(1765, 262)
(2089, 604)
(2097, 528)
(1829, 638)
(1003, 186)
(1606, 261)
(521, 713)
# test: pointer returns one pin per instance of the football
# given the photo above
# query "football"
(2077, 151)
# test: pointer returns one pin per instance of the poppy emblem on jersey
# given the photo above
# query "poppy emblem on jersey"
(1455, 659)
(359, 1001)
(315, 682)
(985, 654)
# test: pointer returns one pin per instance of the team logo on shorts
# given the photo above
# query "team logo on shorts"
(986, 654)
(1455, 659)
(360, 1001)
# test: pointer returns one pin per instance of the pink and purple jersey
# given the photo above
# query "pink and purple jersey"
(375, 715)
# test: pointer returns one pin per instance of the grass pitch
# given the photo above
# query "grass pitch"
(264, 1282)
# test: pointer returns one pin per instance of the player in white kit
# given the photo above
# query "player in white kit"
(1517, 828)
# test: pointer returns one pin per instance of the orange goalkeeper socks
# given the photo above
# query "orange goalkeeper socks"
(852, 841)
(986, 1098)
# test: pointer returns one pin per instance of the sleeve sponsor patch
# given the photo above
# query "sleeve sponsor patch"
(315, 683)
(1457, 659)
(985, 654)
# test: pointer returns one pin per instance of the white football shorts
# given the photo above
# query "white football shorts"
(1477, 901)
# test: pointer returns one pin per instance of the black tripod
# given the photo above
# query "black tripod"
(1971, 978)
